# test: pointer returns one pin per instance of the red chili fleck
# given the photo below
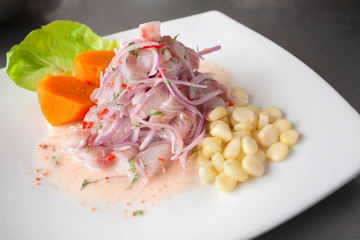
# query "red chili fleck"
(37, 179)
(188, 97)
(164, 70)
(37, 170)
(180, 88)
(87, 125)
(155, 46)
(161, 159)
(43, 146)
(101, 113)
(231, 104)
(106, 178)
(123, 150)
(123, 85)
(128, 204)
(129, 89)
(110, 157)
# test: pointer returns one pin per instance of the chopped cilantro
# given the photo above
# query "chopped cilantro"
(135, 178)
(87, 149)
(168, 82)
(98, 128)
(132, 165)
(155, 112)
(135, 125)
(85, 183)
(116, 96)
(131, 43)
(163, 51)
(193, 150)
(157, 91)
(171, 59)
(172, 40)
(139, 212)
(187, 119)
(212, 80)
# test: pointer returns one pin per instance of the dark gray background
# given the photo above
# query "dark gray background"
(325, 35)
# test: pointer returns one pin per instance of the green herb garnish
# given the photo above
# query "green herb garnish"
(187, 119)
(139, 212)
(87, 149)
(116, 96)
(157, 91)
(163, 51)
(194, 150)
(135, 125)
(131, 43)
(132, 165)
(168, 82)
(98, 128)
(155, 112)
(171, 59)
(211, 80)
(135, 178)
(85, 183)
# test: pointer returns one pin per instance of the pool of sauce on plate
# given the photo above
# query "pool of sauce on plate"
(61, 171)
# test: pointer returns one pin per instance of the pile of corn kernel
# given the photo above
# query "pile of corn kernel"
(240, 139)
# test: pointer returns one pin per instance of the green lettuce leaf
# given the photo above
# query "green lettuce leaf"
(51, 49)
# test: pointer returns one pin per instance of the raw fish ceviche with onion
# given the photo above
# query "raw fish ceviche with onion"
(150, 108)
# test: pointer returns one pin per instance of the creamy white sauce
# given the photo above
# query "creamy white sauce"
(61, 171)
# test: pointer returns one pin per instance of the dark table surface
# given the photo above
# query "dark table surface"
(325, 35)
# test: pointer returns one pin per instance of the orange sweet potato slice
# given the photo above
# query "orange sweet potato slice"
(89, 64)
(64, 99)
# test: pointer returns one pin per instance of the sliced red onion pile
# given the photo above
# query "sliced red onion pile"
(150, 108)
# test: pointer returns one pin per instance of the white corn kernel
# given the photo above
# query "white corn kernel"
(241, 133)
(282, 125)
(224, 182)
(207, 173)
(225, 120)
(253, 108)
(210, 149)
(255, 135)
(249, 145)
(232, 149)
(234, 170)
(213, 124)
(222, 130)
(263, 120)
(216, 114)
(273, 112)
(289, 137)
(255, 122)
(201, 160)
(242, 114)
(268, 135)
(277, 152)
(242, 96)
(241, 156)
(252, 166)
(232, 121)
(234, 88)
(217, 161)
(229, 110)
(260, 155)
(206, 140)
(243, 126)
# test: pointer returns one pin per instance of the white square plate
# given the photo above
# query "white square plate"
(324, 159)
